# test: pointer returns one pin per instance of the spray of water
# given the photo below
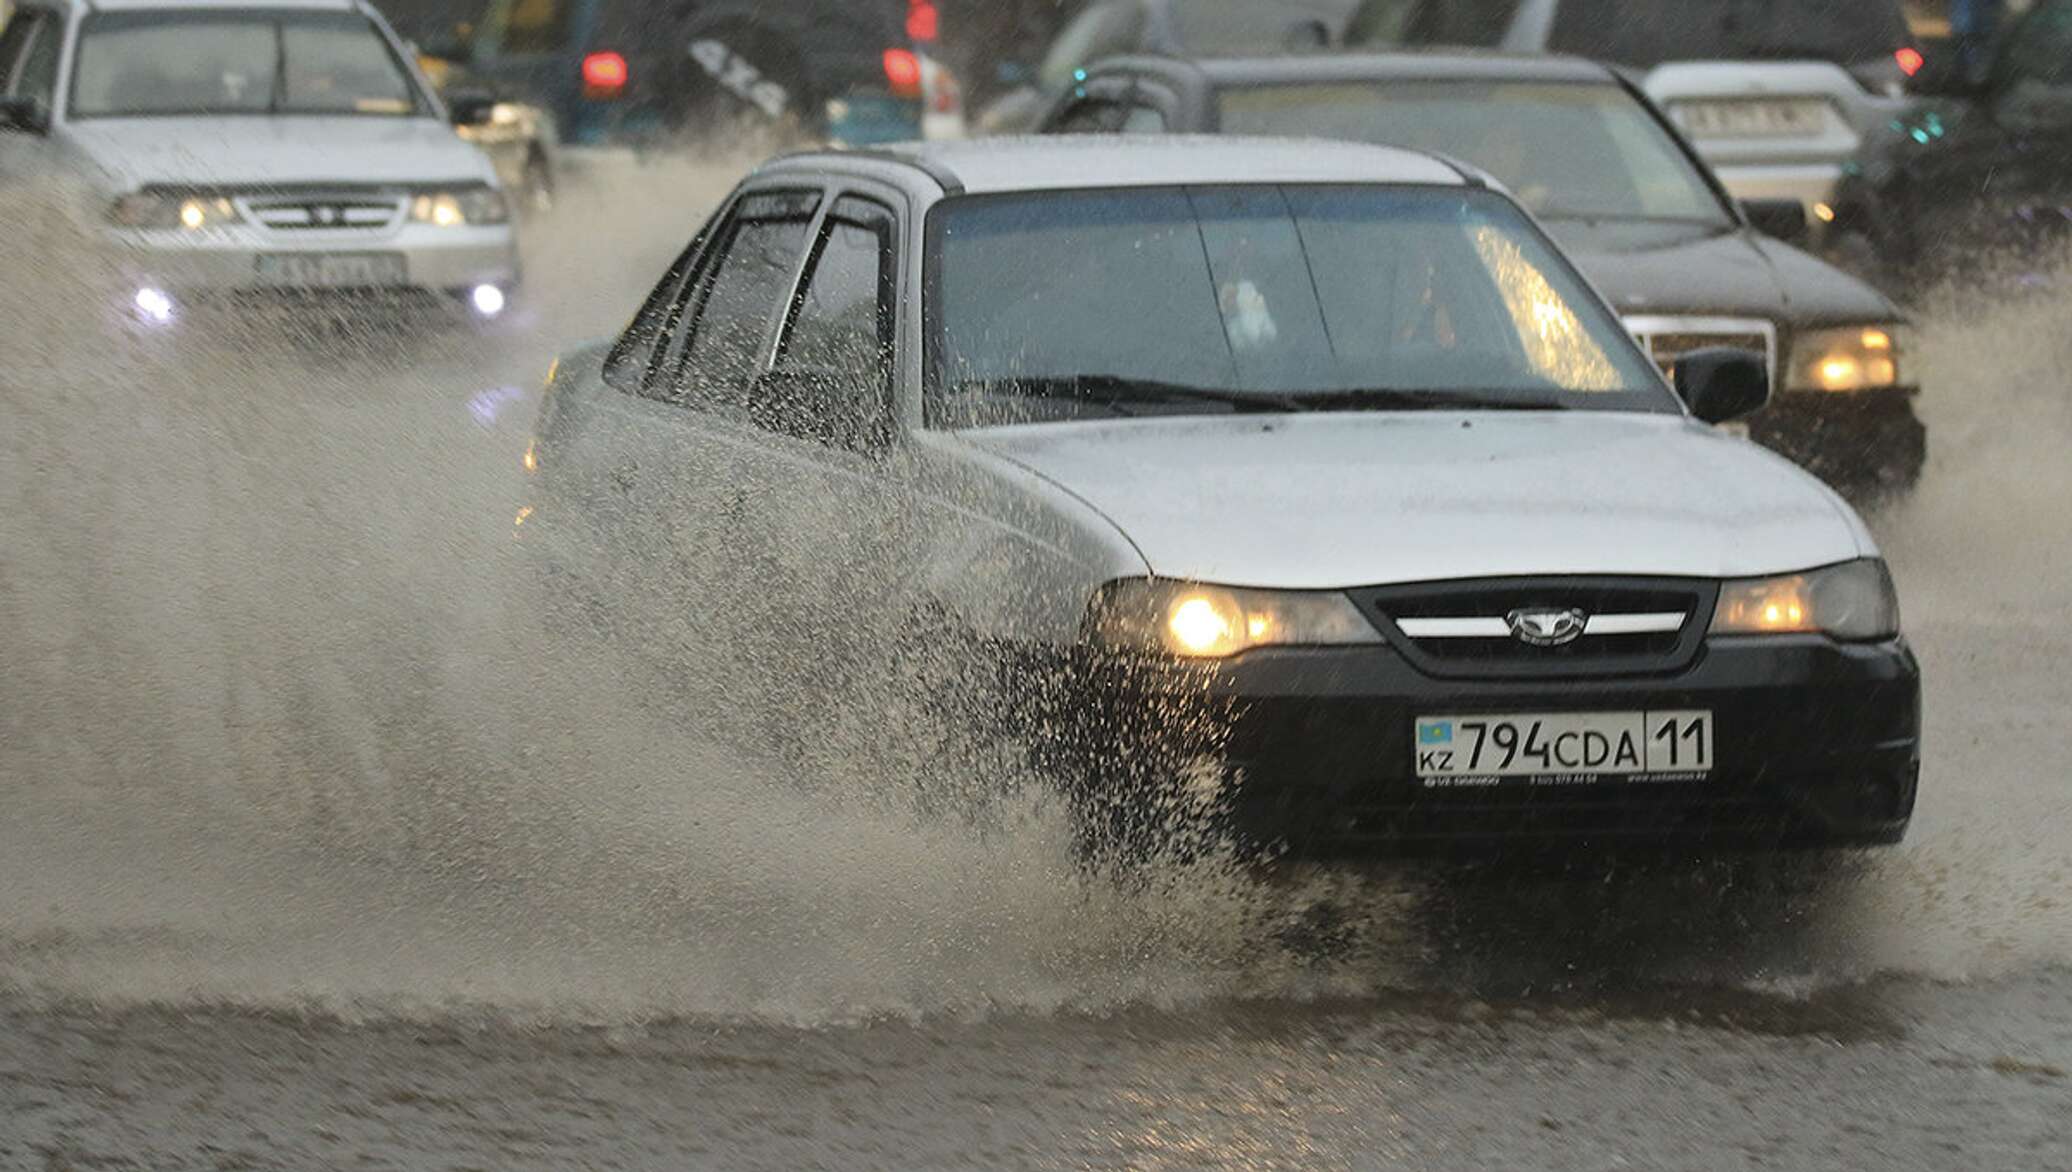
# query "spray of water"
(287, 721)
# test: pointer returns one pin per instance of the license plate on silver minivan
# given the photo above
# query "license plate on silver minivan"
(1746, 118)
(1565, 748)
(332, 270)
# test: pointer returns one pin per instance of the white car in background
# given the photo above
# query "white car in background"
(277, 149)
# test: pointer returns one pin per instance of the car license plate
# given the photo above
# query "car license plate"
(332, 270)
(1754, 119)
(1567, 748)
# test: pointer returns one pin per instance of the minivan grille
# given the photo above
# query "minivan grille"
(1619, 625)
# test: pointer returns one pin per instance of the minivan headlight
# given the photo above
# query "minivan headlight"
(1215, 622)
(1854, 358)
(1854, 602)
(458, 206)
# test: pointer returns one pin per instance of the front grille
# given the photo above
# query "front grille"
(1667, 339)
(325, 211)
(1466, 629)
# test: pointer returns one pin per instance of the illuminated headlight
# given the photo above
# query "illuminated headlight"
(1857, 358)
(1854, 602)
(1216, 622)
(467, 205)
(157, 209)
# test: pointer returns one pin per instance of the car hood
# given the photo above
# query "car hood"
(132, 152)
(1649, 268)
(1330, 501)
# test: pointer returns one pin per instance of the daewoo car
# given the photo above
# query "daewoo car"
(1327, 442)
(1587, 153)
(271, 147)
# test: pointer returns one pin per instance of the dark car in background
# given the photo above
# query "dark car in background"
(1975, 180)
(634, 71)
(1778, 95)
(1622, 191)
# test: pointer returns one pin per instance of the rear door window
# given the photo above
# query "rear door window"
(1647, 33)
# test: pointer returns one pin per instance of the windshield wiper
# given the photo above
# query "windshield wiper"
(1397, 399)
(1630, 217)
(1117, 391)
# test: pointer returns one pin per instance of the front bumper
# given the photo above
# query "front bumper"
(1857, 439)
(1817, 742)
(227, 261)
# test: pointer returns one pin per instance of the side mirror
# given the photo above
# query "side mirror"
(839, 409)
(470, 107)
(1307, 36)
(25, 115)
(1784, 219)
(1723, 382)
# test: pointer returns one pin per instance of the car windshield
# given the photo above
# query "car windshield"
(151, 63)
(1122, 302)
(1565, 150)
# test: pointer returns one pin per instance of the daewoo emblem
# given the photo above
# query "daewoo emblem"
(329, 215)
(1547, 628)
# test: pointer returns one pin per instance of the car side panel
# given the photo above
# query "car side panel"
(1010, 555)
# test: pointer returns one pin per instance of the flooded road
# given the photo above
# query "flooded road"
(315, 853)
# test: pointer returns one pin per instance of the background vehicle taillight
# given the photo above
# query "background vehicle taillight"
(924, 21)
(903, 72)
(1910, 60)
(604, 76)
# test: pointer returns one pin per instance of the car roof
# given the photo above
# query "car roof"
(1059, 162)
(1451, 65)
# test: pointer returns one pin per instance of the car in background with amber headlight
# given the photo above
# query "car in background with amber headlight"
(1309, 474)
(1624, 193)
(271, 149)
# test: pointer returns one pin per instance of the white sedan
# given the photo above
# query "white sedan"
(1314, 463)
(276, 149)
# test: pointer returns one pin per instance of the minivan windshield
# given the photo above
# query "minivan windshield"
(1566, 150)
(145, 63)
(1284, 298)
